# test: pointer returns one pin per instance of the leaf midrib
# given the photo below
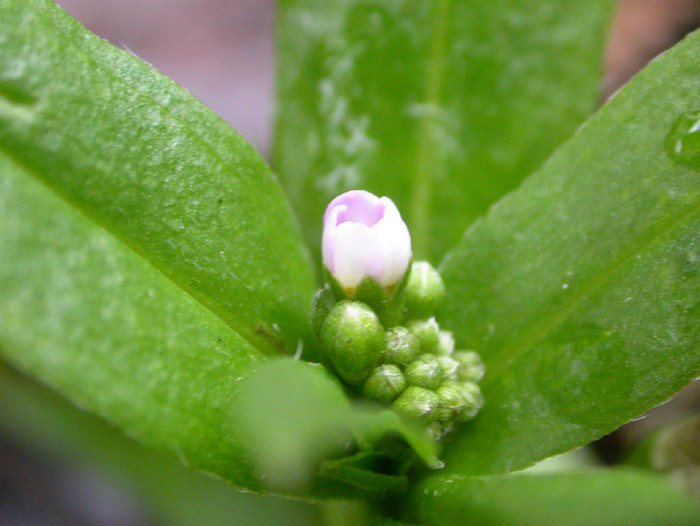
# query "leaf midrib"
(201, 299)
(425, 158)
(540, 330)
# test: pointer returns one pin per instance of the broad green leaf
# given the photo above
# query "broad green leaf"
(90, 317)
(48, 425)
(582, 288)
(356, 513)
(595, 498)
(141, 158)
(443, 106)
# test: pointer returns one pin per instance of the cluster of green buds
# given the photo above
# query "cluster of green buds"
(375, 318)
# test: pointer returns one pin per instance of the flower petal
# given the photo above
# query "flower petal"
(356, 254)
(364, 235)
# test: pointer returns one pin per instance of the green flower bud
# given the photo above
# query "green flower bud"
(449, 367)
(471, 368)
(424, 291)
(446, 343)
(452, 401)
(352, 340)
(320, 307)
(384, 384)
(401, 347)
(425, 371)
(427, 332)
(416, 402)
(475, 400)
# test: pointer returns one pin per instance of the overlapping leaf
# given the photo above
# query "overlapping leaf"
(121, 200)
(137, 155)
(582, 288)
(90, 317)
(443, 106)
(594, 498)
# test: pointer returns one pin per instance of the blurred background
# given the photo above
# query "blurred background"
(222, 52)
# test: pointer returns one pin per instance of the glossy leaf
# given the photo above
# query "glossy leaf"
(93, 319)
(141, 158)
(595, 498)
(581, 289)
(443, 106)
(52, 428)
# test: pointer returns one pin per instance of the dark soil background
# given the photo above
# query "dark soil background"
(222, 52)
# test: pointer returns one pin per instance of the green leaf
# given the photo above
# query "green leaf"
(309, 428)
(93, 319)
(49, 426)
(443, 106)
(138, 156)
(581, 289)
(355, 513)
(594, 498)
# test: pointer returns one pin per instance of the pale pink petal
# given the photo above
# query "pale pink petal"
(360, 207)
(354, 252)
(394, 241)
(364, 235)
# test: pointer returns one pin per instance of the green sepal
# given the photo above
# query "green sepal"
(449, 366)
(471, 368)
(400, 346)
(425, 371)
(452, 402)
(387, 302)
(385, 383)
(427, 332)
(446, 343)
(418, 403)
(381, 301)
(339, 293)
(473, 398)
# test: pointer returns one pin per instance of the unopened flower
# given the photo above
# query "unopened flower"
(364, 236)
(352, 340)
(424, 291)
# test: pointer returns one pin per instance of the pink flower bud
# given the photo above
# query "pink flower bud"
(364, 235)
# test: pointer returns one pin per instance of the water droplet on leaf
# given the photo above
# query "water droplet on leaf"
(683, 141)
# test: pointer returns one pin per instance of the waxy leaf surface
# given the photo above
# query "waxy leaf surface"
(443, 106)
(594, 498)
(140, 157)
(581, 289)
(87, 315)
(148, 258)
